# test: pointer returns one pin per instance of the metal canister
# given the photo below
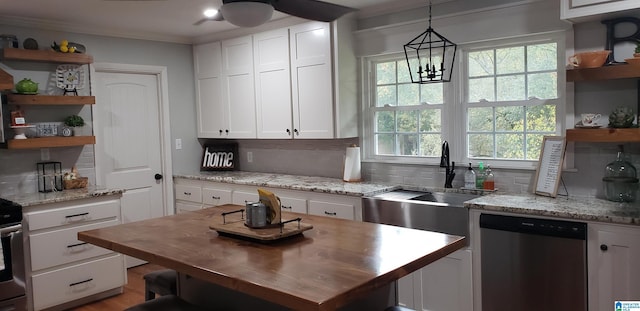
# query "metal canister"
(256, 214)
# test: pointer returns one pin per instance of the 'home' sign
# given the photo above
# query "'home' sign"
(220, 157)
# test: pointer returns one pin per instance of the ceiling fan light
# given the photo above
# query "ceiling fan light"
(247, 14)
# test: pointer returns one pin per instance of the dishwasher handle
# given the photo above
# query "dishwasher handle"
(535, 226)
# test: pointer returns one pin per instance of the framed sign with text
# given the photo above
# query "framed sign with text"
(550, 166)
(220, 157)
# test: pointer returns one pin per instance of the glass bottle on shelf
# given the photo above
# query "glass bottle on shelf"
(620, 179)
(489, 179)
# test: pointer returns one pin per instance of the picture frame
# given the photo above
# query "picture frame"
(549, 170)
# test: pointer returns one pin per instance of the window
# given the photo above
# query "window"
(407, 117)
(506, 95)
(512, 100)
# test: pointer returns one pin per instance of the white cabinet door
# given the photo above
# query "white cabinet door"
(273, 84)
(214, 194)
(613, 261)
(207, 60)
(446, 284)
(238, 87)
(311, 80)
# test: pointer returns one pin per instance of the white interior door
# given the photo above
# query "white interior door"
(129, 143)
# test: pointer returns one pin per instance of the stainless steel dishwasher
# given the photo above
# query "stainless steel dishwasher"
(532, 264)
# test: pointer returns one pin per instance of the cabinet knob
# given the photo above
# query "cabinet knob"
(287, 207)
(157, 176)
(289, 131)
(296, 131)
(220, 131)
(604, 247)
(226, 131)
(215, 197)
(330, 213)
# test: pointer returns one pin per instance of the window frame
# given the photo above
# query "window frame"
(456, 92)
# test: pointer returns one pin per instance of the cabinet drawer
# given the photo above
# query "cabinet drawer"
(186, 207)
(215, 197)
(293, 205)
(49, 249)
(189, 193)
(241, 198)
(63, 285)
(73, 214)
(339, 210)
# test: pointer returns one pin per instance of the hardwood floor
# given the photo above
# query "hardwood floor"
(133, 292)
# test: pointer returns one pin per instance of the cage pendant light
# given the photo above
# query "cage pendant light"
(435, 56)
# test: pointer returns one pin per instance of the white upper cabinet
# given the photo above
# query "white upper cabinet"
(273, 84)
(312, 81)
(585, 10)
(238, 96)
(296, 82)
(210, 114)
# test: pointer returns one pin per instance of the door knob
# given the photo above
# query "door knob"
(158, 176)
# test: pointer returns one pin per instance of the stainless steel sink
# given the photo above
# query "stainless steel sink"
(434, 211)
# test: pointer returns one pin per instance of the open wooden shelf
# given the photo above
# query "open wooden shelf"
(46, 56)
(19, 99)
(617, 71)
(6, 80)
(50, 142)
(608, 135)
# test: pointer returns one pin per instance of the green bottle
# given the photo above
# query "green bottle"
(480, 176)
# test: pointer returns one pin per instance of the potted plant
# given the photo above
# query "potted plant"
(636, 52)
(74, 121)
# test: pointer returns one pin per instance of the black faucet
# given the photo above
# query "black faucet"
(450, 169)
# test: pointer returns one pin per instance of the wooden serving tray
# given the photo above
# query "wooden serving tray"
(238, 228)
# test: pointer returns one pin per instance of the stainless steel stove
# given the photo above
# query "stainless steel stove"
(12, 273)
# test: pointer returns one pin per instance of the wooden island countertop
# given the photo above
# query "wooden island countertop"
(325, 268)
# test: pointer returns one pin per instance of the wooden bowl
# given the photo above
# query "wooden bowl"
(592, 59)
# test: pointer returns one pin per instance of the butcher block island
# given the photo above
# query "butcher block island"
(337, 265)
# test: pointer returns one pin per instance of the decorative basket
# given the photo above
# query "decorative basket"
(76, 183)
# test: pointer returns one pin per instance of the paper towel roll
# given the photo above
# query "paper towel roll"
(352, 164)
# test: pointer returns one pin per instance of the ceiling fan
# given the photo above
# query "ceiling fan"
(251, 13)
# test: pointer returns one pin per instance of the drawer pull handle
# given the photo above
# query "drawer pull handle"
(81, 282)
(187, 193)
(330, 214)
(77, 244)
(77, 215)
(604, 247)
(215, 197)
(287, 207)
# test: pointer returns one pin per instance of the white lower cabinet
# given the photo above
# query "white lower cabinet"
(188, 198)
(61, 270)
(613, 264)
(59, 286)
(444, 285)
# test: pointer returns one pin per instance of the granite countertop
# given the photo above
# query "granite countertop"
(31, 199)
(293, 182)
(577, 208)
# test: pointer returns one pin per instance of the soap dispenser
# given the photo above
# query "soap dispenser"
(470, 178)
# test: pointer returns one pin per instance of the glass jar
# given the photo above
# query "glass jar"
(620, 180)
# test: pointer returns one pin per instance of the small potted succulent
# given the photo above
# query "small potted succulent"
(636, 52)
(74, 121)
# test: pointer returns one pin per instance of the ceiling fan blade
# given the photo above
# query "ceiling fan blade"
(312, 9)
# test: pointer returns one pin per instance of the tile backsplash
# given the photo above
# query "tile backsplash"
(18, 167)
